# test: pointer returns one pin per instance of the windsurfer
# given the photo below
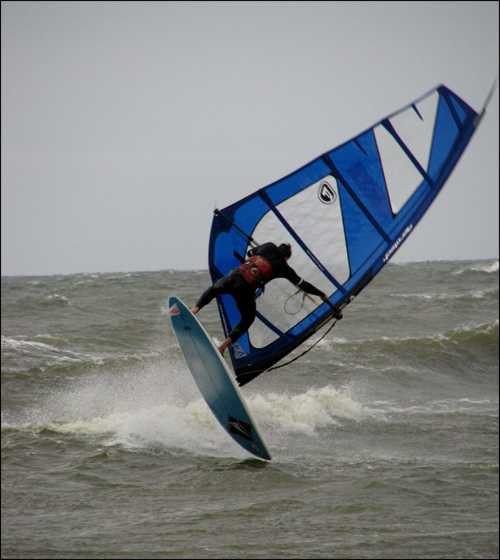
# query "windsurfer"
(265, 263)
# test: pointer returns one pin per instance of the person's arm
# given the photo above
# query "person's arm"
(310, 289)
(290, 274)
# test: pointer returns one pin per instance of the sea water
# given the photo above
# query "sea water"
(384, 436)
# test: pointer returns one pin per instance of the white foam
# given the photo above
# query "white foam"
(306, 412)
(142, 405)
(58, 298)
(172, 426)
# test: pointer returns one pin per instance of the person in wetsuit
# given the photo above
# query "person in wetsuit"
(265, 263)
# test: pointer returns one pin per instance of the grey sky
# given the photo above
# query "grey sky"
(125, 124)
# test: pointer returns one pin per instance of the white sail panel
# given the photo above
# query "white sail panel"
(316, 213)
(401, 177)
(416, 130)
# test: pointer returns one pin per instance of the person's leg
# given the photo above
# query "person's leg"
(244, 298)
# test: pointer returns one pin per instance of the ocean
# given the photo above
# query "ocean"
(384, 437)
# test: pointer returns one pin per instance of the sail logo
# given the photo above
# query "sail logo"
(326, 193)
(238, 351)
(397, 243)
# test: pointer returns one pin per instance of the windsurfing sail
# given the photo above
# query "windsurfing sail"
(345, 214)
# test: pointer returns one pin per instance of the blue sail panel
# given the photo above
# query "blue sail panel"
(345, 214)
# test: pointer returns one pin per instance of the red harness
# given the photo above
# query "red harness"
(256, 271)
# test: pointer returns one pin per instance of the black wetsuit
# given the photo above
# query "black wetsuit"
(243, 282)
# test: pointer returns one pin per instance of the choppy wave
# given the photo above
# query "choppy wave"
(58, 299)
(42, 354)
(491, 293)
(484, 267)
(483, 332)
(22, 345)
(445, 407)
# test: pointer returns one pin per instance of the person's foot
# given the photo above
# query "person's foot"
(224, 345)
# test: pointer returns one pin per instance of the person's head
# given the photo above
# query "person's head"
(286, 249)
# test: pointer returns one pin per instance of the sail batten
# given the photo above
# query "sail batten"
(346, 213)
(388, 126)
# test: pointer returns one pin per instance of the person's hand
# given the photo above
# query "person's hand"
(336, 313)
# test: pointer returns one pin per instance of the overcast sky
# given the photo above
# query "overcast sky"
(124, 124)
